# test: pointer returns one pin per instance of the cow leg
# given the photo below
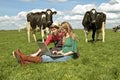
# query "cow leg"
(34, 36)
(118, 30)
(97, 35)
(19, 29)
(28, 30)
(86, 36)
(47, 31)
(103, 31)
(93, 34)
(42, 34)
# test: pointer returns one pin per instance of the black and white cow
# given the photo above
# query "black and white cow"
(94, 21)
(42, 20)
(49, 21)
(116, 29)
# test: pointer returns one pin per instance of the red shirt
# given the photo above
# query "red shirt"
(52, 38)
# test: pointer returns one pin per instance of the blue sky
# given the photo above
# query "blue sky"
(13, 7)
(13, 12)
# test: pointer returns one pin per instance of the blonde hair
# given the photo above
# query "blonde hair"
(65, 25)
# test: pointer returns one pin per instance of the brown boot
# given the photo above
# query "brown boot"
(29, 58)
(18, 58)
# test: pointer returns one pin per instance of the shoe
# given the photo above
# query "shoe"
(18, 51)
(18, 57)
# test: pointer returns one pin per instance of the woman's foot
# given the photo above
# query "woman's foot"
(18, 51)
(18, 57)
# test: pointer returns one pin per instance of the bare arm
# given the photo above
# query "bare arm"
(65, 54)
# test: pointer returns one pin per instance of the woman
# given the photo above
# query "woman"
(68, 50)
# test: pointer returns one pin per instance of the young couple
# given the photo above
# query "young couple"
(69, 47)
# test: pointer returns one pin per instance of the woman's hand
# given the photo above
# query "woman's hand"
(54, 52)
(59, 52)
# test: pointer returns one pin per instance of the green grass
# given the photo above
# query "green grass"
(98, 61)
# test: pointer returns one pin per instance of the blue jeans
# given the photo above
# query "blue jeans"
(46, 58)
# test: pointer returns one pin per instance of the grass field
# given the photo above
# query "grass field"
(98, 61)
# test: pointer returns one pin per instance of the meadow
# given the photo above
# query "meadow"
(97, 61)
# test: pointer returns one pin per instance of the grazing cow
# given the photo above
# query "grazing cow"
(40, 20)
(21, 28)
(94, 21)
(116, 29)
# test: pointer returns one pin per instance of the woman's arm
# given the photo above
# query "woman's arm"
(65, 54)
(68, 53)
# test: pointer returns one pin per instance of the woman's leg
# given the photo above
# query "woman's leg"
(46, 58)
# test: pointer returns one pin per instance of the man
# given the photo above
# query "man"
(55, 37)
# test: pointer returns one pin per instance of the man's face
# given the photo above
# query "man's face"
(54, 31)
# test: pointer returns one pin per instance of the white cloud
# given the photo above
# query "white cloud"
(81, 9)
(114, 1)
(112, 16)
(109, 7)
(12, 22)
(75, 17)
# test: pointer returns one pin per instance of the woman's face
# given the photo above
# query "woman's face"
(64, 30)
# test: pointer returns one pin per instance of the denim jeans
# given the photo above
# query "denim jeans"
(46, 58)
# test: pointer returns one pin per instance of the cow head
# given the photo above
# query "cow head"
(29, 16)
(49, 11)
(49, 15)
(116, 28)
(93, 14)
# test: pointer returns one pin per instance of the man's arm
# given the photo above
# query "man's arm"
(48, 40)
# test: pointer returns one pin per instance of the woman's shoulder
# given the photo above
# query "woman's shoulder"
(70, 38)
(73, 40)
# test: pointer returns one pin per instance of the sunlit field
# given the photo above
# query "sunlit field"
(97, 61)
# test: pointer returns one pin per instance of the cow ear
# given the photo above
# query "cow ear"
(54, 12)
